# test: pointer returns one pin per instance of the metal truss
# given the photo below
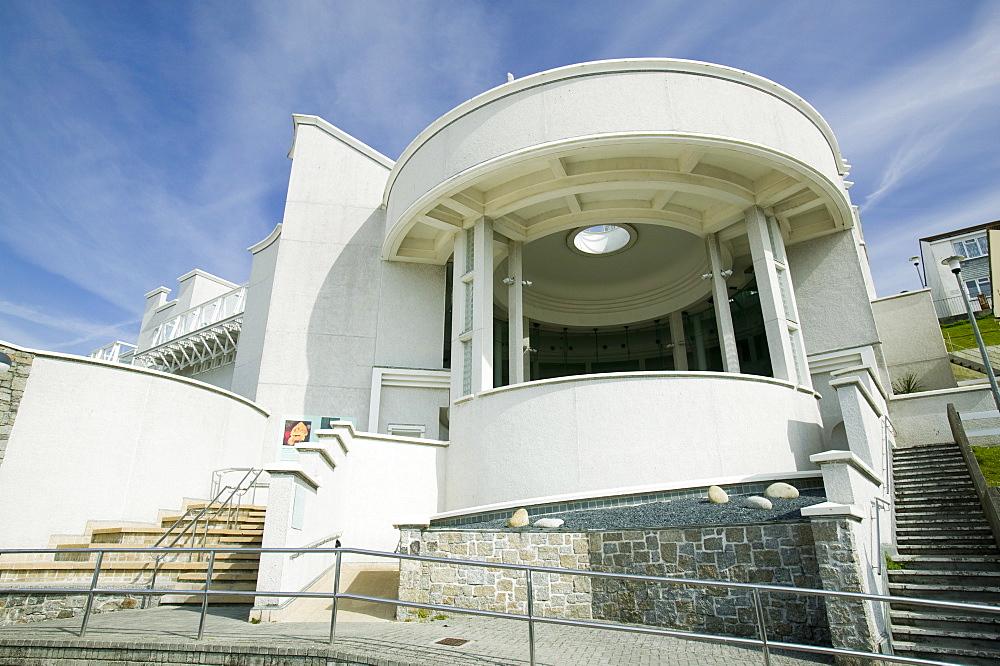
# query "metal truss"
(207, 344)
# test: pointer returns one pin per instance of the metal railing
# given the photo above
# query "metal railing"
(766, 644)
(210, 512)
(954, 306)
(113, 352)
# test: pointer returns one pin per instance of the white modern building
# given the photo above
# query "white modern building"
(971, 243)
(627, 278)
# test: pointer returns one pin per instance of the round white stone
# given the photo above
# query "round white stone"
(785, 490)
(757, 502)
(549, 523)
(717, 495)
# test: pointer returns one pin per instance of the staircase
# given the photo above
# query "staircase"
(947, 552)
(241, 527)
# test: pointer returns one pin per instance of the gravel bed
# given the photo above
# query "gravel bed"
(679, 512)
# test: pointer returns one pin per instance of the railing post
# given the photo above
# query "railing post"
(90, 595)
(531, 618)
(205, 595)
(761, 628)
(336, 591)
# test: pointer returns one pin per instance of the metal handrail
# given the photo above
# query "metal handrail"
(335, 595)
(193, 523)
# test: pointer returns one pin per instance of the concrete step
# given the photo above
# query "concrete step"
(945, 528)
(183, 599)
(949, 621)
(944, 550)
(219, 577)
(922, 468)
(928, 562)
(968, 656)
(950, 506)
(950, 577)
(971, 539)
(966, 593)
(945, 637)
(965, 492)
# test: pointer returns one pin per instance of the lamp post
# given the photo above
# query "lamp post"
(916, 264)
(955, 264)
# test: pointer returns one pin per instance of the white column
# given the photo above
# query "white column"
(460, 336)
(482, 306)
(515, 312)
(677, 339)
(723, 314)
(784, 340)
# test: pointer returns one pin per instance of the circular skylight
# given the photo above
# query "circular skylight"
(602, 239)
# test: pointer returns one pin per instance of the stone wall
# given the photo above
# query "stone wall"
(777, 553)
(853, 624)
(12, 385)
(772, 553)
(483, 588)
(23, 608)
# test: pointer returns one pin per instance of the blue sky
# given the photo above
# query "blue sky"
(141, 140)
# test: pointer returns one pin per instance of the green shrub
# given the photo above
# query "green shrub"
(908, 383)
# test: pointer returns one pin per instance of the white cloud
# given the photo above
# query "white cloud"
(86, 331)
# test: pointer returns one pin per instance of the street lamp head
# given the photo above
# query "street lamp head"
(915, 259)
(954, 263)
(5, 363)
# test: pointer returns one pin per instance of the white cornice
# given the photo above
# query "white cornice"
(264, 244)
(133, 368)
(340, 135)
(207, 276)
(600, 67)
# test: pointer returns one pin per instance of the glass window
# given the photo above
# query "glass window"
(972, 249)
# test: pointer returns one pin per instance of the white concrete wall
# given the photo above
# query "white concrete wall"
(96, 441)
(911, 339)
(400, 404)
(611, 98)
(323, 308)
(922, 418)
(250, 346)
(318, 343)
(602, 432)
(831, 294)
(355, 485)
(221, 376)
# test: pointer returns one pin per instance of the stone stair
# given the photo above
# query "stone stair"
(948, 552)
(231, 571)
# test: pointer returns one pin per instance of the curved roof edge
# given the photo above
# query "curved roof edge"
(337, 133)
(74, 358)
(266, 242)
(620, 65)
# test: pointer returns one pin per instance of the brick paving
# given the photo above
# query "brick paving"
(492, 641)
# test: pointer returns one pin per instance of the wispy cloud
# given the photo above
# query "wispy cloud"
(86, 331)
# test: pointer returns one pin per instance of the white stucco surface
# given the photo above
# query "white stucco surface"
(96, 441)
(612, 98)
(922, 418)
(596, 432)
(911, 339)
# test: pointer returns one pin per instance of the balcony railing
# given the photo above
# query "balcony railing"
(201, 316)
(116, 352)
(199, 339)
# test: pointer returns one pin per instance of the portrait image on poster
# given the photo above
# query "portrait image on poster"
(295, 432)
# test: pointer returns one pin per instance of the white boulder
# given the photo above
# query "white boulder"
(717, 495)
(784, 490)
(549, 523)
(757, 502)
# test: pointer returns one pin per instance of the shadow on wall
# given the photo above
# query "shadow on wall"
(804, 440)
(340, 347)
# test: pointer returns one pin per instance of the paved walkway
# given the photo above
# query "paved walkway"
(491, 641)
